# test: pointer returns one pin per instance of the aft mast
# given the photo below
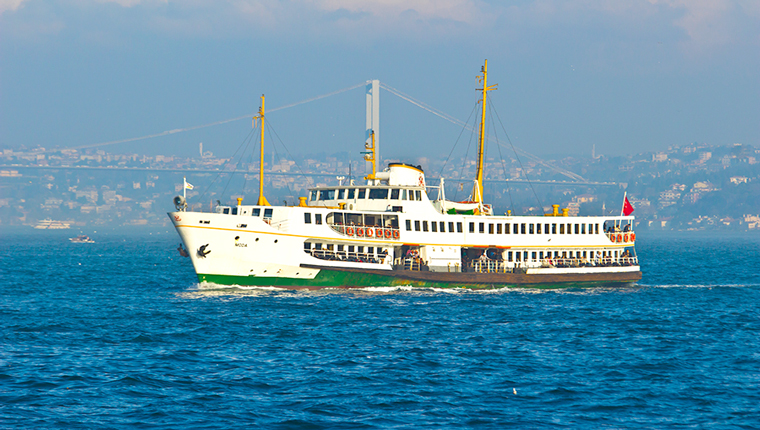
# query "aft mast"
(477, 190)
(262, 200)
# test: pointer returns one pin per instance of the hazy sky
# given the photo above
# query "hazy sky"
(625, 75)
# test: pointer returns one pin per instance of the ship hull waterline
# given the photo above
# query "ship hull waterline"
(346, 278)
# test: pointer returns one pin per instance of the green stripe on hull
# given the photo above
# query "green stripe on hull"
(324, 279)
(341, 279)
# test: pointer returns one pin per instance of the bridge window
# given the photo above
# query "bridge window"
(411, 194)
(459, 227)
(424, 226)
(362, 194)
(554, 228)
(472, 227)
(490, 228)
(506, 228)
(326, 194)
(569, 228)
(451, 227)
(546, 228)
(516, 228)
(434, 227)
(378, 193)
(482, 227)
(234, 211)
(306, 246)
(256, 212)
(341, 194)
(408, 225)
(443, 227)
(419, 195)
(577, 229)
(562, 229)
(583, 228)
(395, 193)
(509, 256)
(313, 195)
(317, 218)
(596, 228)
(416, 226)
(226, 211)
(351, 193)
(538, 228)
(498, 228)
(530, 229)
(522, 228)
(307, 218)
(268, 213)
(533, 255)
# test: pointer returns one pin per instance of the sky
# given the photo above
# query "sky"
(625, 76)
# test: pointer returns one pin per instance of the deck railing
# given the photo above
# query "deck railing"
(500, 266)
(354, 257)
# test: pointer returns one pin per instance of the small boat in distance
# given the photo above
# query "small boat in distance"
(81, 239)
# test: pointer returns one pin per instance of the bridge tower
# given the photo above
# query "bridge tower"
(373, 118)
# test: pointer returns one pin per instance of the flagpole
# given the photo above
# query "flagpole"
(184, 188)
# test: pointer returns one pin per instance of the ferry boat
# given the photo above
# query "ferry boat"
(49, 224)
(387, 231)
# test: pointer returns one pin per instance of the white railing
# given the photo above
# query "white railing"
(353, 257)
(499, 266)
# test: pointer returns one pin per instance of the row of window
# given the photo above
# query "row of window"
(434, 226)
(361, 194)
(498, 228)
(531, 228)
(254, 212)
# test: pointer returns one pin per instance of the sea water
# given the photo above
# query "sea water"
(119, 334)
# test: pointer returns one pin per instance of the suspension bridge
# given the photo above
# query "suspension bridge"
(372, 90)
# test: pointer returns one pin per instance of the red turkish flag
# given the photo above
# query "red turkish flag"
(627, 208)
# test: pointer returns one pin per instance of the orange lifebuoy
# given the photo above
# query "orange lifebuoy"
(612, 238)
(379, 233)
(633, 237)
(395, 234)
(369, 232)
(619, 237)
(360, 232)
(626, 237)
(350, 231)
(388, 233)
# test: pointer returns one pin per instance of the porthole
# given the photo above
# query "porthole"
(275, 241)
(257, 239)
(237, 237)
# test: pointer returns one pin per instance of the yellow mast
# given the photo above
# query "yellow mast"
(477, 190)
(370, 156)
(262, 200)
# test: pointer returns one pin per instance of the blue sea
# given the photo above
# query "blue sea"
(119, 334)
